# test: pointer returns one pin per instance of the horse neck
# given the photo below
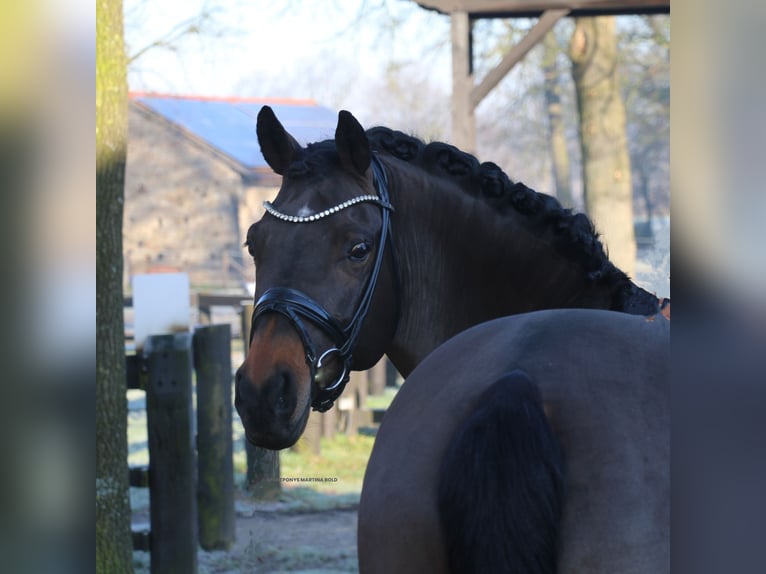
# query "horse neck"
(461, 263)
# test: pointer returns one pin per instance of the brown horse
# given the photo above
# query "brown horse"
(378, 243)
(468, 469)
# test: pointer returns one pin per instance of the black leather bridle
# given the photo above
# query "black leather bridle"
(297, 306)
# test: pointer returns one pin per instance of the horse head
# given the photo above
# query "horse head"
(324, 287)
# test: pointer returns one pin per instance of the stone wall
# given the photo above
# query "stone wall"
(186, 209)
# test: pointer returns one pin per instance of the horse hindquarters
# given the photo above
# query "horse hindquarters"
(501, 486)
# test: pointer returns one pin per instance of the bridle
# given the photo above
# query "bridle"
(297, 306)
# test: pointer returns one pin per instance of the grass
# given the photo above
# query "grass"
(381, 401)
(342, 459)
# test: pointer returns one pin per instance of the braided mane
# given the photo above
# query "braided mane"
(574, 233)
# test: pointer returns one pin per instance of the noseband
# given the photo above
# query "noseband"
(297, 306)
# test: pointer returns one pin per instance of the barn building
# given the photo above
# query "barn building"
(196, 180)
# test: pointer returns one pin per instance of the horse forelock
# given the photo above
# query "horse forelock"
(315, 160)
(573, 233)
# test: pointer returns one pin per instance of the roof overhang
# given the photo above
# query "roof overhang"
(534, 8)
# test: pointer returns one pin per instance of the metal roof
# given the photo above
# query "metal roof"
(228, 124)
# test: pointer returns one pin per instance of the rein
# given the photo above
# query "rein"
(296, 305)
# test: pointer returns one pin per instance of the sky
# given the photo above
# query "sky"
(283, 47)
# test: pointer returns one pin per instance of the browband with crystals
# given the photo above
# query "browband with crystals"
(316, 216)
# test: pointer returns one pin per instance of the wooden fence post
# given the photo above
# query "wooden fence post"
(172, 462)
(262, 472)
(262, 464)
(215, 496)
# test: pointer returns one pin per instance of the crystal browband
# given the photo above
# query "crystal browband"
(316, 216)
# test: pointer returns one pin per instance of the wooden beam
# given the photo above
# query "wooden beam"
(516, 8)
(463, 122)
(514, 56)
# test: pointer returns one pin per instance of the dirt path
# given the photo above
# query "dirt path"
(275, 537)
(274, 540)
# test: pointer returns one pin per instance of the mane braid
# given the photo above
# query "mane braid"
(574, 233)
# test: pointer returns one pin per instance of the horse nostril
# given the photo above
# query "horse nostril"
(277, 394)
(281, 391)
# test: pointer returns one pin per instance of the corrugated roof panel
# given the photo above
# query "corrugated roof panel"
(229, 125)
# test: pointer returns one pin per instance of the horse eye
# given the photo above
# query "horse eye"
(359, 251)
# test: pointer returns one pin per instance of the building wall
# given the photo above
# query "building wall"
(185, 208)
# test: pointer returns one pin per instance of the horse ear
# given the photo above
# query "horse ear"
(351, 143)
(277, 146)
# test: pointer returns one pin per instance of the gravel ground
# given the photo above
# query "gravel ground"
(278, 537)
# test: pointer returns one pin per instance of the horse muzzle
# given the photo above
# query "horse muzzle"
(270, 413)
(273, 386)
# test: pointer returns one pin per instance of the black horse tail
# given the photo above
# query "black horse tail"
(501, 487)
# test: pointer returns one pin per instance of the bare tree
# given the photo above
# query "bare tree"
(533, 139)
(644, 58)
(607, 182)
(210, 21)
(552, 89)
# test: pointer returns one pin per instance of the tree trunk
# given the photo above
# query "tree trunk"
(605, 160)
(113, 538)
(556, 133)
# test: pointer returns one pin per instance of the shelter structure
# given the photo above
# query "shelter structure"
(467, 94)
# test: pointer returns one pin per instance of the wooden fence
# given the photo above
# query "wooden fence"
(190, 477)
(347, 416)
